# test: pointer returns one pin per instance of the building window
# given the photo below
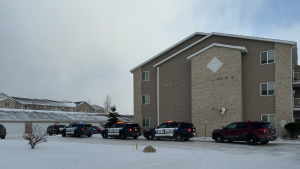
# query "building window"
(267, 57)
(77, 110)
(62, 108)
(267, 89)
(6, 104)
(269, 118)
(145, 76)
(146, 99)
(69, 109)
(24, 107)
(146, 122)
(54, 108)
(44, 107)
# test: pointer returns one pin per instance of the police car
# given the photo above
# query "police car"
(122, 130)
(78, 130)
(172, 130)
(55, 129)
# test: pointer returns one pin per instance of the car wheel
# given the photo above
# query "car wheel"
(251, 140)
(178, 137)
(3, 137)
(219, 138)
(50, 134)
(135, 137)
(264, 142)
(104, 135)
(89, 135)
(186, 139)
(149, 136)
(122, 136)
(230, 141)
(63, 134)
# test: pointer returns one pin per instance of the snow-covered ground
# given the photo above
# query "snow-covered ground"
(95, 152)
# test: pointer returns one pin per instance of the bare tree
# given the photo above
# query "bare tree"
(107, 103)
(35, 135)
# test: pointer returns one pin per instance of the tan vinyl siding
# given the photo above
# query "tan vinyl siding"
(11, 104)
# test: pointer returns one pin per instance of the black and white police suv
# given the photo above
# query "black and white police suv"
(78, 130)
(172, 130)
(122, 130)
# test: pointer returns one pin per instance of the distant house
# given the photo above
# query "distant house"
(11, 102)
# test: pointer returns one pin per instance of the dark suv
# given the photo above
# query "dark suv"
(55, 129)
(252, 132)
(78, 130)
(172, 130)
(2, 131)
(122, 130)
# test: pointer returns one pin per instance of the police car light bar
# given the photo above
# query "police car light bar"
(120, 122)
(80, 122)
(170, 121)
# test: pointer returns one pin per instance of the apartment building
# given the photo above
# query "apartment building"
(11, 102)
(219, 79)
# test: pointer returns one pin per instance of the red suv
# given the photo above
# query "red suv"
(252, 132)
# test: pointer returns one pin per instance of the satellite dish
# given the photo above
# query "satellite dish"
(223, 110)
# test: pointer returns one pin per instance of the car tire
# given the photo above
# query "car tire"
(186, 139)
(251, 140)
(63, 134)
(122, 136)
(178, 137)
(230, 141)
(50, 134)
(89, 135)
(219, 138)
(135, 137)
(3, 137)
(104, 135)
(264, 142)
(149, 136)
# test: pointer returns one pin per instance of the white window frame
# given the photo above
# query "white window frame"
(145, 122)
(24, 106)
(267, 89)
(146, 76)
(54, 108)
(44, 107)
(267, 57)
(268, 117)
(76, 110)
(63, 108)
(146, 99)
(6, 104)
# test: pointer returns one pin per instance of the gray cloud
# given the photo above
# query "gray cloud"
(76, 50)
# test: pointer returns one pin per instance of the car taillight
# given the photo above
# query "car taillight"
(53, 128)
(263, 130)
(82, 129)
(129, 129)
(189, 130)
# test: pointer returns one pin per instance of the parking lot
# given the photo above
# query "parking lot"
(95, 152)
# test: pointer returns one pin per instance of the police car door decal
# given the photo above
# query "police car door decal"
(113, 131)
(164, 132)
(70, 130)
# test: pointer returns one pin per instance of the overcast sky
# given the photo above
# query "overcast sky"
(81, 50)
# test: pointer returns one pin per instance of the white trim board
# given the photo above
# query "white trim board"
(196, 33)
(242, 48)
(208, 35)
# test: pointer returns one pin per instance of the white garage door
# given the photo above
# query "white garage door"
(14, 128)
(94, 124)
(44, 126)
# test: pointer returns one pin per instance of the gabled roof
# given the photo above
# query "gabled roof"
(242, 48)
(207, 36)
(94, 106)
(10, 98)
(147, 61)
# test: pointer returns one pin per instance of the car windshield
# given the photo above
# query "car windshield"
(267, 125)
(132, 125)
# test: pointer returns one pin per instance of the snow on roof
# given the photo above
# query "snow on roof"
(41, 115)
(44, 102)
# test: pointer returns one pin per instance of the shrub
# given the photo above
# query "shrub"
(293, 129)
(35, 135)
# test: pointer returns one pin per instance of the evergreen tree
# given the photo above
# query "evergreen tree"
(113, 116)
